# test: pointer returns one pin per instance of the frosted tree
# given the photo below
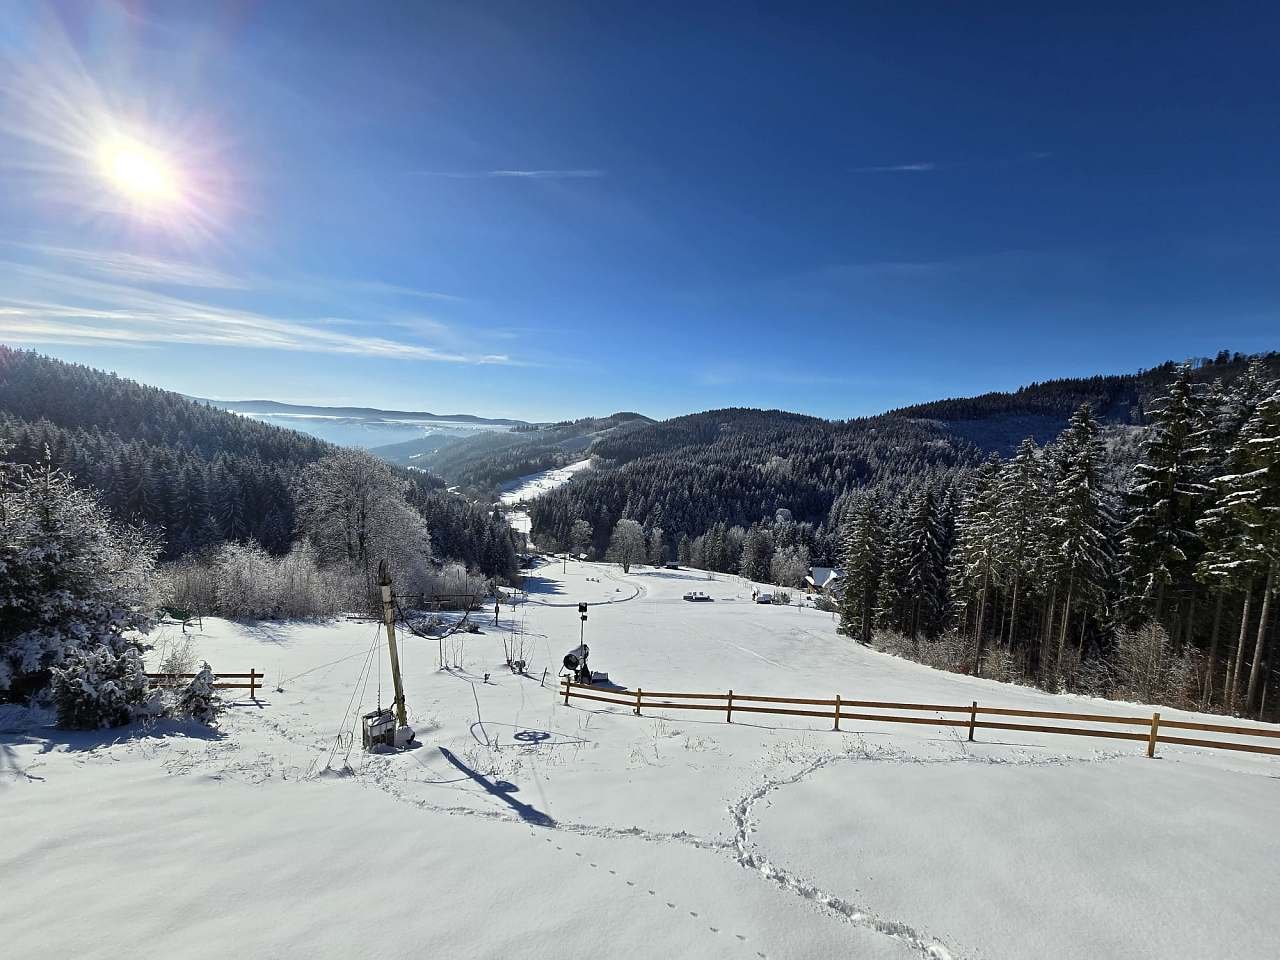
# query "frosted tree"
(1230, 563)
(1249, 507)
(1080, 523)
(1019, 518)
(657, 547)
(861, 541)
(74, 584)
(757, 551)
(355, 511)
(627, 545)
(199, 700)
(891, 590)
(926, 566)
(580, 536)
(789, 566)
(684, 550)
(1166, 497)
(100, 686)
(975, 559)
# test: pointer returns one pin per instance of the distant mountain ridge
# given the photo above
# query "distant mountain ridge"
(362, 413)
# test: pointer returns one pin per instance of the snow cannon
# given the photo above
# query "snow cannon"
(575, 661)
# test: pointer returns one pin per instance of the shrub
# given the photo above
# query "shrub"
(101, 688)
(198, 700)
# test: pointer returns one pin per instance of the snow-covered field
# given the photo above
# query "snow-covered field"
(524, 828)
(523, 489)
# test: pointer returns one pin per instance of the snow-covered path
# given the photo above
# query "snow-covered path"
(525, 828)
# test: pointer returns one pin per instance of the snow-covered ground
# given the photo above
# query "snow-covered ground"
(524, 489)
(524, 828)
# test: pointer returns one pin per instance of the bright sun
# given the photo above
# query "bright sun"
(143, 175)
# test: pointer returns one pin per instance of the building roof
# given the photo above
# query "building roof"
(822, 577)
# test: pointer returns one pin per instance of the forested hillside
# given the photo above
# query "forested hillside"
(1135, 554)
(998, 422)
(197, 474)
(733, 468)
(484, 462)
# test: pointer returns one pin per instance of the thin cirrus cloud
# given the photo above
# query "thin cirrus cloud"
(579, 173)
(931, 166)
(135, 268)
(60, 307)
(921, 166)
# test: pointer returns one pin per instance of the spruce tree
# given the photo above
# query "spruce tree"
(862, 541)
(1166, 498)
(975, 560)
(1019, 519)
(1080, 524)
(925, 564)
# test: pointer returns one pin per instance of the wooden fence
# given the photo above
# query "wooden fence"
(253, 677)
(973, 717)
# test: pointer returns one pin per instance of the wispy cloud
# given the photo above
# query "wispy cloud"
(58, 307)
(396, 290)
(919, 166)
(581, 173)
(931, 166)
(135, 268)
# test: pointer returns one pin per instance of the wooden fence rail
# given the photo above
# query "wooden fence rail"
(253, 676)
(970, 715)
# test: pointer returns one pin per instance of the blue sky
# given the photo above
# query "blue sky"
(548, 210)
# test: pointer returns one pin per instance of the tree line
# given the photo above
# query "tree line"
(1159, 588)
(196, 475)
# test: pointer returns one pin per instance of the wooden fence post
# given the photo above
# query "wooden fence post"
(837, 711)
(728, 717)
(1151, 741)
(566, 691)
(973, 719)
(639, 695)
(253, 683)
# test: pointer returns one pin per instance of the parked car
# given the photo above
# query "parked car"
(672, 566)
(697, 596)
(764, 598)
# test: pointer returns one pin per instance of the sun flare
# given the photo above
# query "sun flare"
(140, 173)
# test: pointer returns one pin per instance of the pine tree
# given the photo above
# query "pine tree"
(199, 700)
(72, 581)
(925, 565)
(1080, 523)
(862, 540)
(975, 560)
(1249, 506)
(1166, 498)
(1019, 519)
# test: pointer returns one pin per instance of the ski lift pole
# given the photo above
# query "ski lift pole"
(389, 617)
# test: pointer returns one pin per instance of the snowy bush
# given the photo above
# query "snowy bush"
(198, 700)
(781, 598)
(72, 581)
(949, 651)
(1143, 667)
(101, 687)
(243, 581)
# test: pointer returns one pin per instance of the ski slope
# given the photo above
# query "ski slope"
(524, 489)
(524, 828)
